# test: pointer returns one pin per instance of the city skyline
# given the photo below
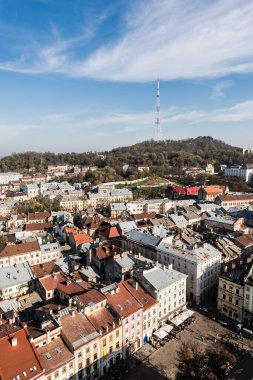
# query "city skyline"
(83, 77)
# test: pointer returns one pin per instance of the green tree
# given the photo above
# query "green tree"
(3, 239)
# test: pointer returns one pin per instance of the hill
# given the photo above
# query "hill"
(171, 153)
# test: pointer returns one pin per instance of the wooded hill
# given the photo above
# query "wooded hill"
(169, 153)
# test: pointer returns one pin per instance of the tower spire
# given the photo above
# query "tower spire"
(158, 129)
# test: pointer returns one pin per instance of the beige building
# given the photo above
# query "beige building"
(230, 293)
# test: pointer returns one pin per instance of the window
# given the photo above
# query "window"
(230, 299)
(80, 354)
(237, 291)
(110, 349)
(247, 296)
(87, 350)
(87, 362)
(95, 357)
(95, 346)
(117, 333)
(104, 342)
(117, 345)
(224, 296)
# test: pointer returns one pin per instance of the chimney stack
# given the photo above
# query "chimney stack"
(14, 341)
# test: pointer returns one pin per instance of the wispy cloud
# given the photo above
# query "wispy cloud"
(218, 90)
(170, 39)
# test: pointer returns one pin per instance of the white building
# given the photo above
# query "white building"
(149, 205)
(15, 280)
(201, 264)
(6, 178)
(168, 287)
(29, 251)
(32, 190)
(243, 171)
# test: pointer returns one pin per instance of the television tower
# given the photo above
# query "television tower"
(158, 129)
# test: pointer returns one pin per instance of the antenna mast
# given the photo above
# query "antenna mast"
(158, 129)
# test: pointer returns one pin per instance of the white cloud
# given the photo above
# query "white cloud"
(170, 39)
(218, 90)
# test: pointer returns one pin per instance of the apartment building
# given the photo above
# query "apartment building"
(230, 293)
(243, 171)
(201, 263)
(6, 178)
(150, 308)
(234, 200)
(159, 206)
(16, 280)
(32, 252)
(128, 309)
(168, 287)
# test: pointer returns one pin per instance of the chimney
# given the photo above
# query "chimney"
(107, 328)
(14, 341)
(136, 285)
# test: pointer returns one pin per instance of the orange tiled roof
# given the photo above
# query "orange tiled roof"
(81, 238)
(140, 294)
(102, 319)
(21, 358)
(59, 355)
(123, 302)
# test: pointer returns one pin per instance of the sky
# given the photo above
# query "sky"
(81, 75)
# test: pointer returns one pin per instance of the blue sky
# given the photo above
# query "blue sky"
(79, 75)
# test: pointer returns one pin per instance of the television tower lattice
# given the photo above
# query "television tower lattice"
(158, 128)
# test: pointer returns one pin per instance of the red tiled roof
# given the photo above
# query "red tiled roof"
(110, 233)
(41, 270)
(59, 355)
(139, 294)
(123, 302)
(38, 226)
(215, 189)
(245, 240)
(241, 197)
(39, 215)
(22, 358)
(78, 329)
(102, 319)
(19, 249)
(92, 295)
(81, 238)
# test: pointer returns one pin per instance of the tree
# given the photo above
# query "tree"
(218, 362)
(197, 363)
(190, 362)
(3, 239)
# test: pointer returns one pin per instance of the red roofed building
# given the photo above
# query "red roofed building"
(130, 311)
(209, 193)
(77, 239)
(38, 217)
(110, 330)
(109, 233)
(19, 358)
(150, 309)
(192, 191)
(58, 284)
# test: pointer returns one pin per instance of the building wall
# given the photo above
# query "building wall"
(230, 299)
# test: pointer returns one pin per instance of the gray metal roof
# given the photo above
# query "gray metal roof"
(143, 238)
(162, 278)
(10, 276)
(197, 255)
(124, 261)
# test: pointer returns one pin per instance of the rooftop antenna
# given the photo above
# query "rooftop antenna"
(158, 129)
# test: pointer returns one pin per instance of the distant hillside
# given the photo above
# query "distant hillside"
(189, 152)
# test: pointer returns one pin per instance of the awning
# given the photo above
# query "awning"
(167, 328)
(180, 318)
(163, 331)
(160, 333)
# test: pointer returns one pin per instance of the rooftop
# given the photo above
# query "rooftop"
(162, 278)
